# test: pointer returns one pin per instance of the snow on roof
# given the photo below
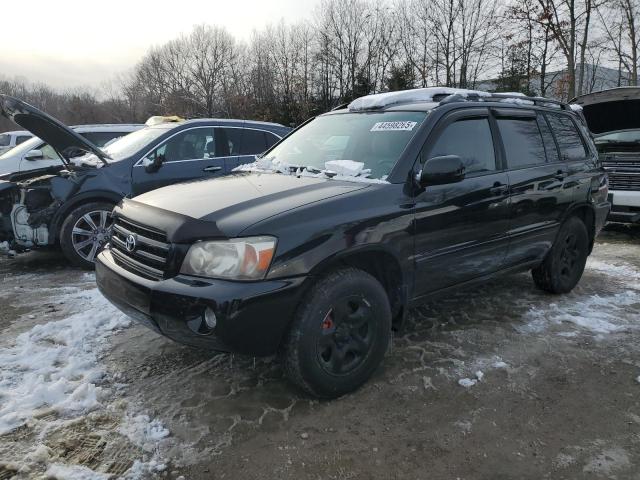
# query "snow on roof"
(418, 95)
(575, 107)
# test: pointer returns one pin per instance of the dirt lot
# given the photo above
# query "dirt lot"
(552, 389)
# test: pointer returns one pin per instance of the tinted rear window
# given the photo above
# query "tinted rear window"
(522, 141)
(550, 146)
(568, 138)
(253, 142)
(271, 139)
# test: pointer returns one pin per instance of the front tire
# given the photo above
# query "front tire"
(563, 266)
(340, 334)
(84, 232)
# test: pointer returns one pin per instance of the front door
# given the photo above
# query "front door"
(461, 228)
(190, 154)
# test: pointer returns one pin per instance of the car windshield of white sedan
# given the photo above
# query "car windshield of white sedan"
(17, 151)
(363, 146)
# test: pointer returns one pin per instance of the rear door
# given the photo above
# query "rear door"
(580, 160)
(537, 176)
(187, 155)
(461, 228)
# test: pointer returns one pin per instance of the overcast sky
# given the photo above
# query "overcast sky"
(69, 43)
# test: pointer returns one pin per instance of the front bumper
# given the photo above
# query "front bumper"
(252, 317)
(625, 206)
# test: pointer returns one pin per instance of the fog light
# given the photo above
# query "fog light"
(210, 318)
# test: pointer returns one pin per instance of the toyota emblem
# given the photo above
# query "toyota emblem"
(131, 243)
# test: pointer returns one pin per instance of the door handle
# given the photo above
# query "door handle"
(211, 169)
(499, 189)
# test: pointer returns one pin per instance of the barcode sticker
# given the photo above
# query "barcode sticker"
(391, 126)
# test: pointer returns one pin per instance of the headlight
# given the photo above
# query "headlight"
(236, 259)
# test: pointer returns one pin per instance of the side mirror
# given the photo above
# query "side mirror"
(154, 165)
(34, 155)
(442, 170)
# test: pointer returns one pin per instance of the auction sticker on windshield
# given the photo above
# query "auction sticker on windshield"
(387, 126)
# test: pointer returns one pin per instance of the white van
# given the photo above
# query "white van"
(33, 153)
(8, 140)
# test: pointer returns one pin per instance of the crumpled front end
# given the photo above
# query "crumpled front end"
(27, 208)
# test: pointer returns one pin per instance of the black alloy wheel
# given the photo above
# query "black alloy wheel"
(346, 335)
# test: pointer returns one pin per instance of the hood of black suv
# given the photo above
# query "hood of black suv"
(236, 202)
(64, 140)
(611, 110)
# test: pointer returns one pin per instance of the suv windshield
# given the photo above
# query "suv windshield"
(365, 144)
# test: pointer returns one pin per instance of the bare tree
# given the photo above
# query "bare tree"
(619, 22)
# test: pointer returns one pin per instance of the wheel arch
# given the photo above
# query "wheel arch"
(75, 202)
(587, 213)
(381, 263)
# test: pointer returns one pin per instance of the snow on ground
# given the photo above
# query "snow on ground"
(52, 378)
(571, 315)
(55, 364)
(599, 314)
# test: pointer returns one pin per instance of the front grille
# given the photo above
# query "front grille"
(624, 181)
(623, 171)
(149, 257)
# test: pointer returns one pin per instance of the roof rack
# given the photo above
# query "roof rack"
(516, 98)
(443, 95)
(340, 107)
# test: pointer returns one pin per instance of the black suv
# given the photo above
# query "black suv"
(319, 248)
(71, 204)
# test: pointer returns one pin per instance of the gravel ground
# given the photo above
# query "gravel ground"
(496, 382)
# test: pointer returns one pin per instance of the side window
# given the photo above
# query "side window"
(271, 139)
(471, 140)
(22, 138)
(228, 141)
(568, 138)
(48, 153)
(5, 140)
(550, 146)
(188, 145)
(253, 142)
(522, 141)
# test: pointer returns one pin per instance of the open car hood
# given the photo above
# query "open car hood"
(611, 110)
(61, 138)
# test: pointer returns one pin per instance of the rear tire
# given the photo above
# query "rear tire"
(84, 232)
(340, 334)
(563, 266)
